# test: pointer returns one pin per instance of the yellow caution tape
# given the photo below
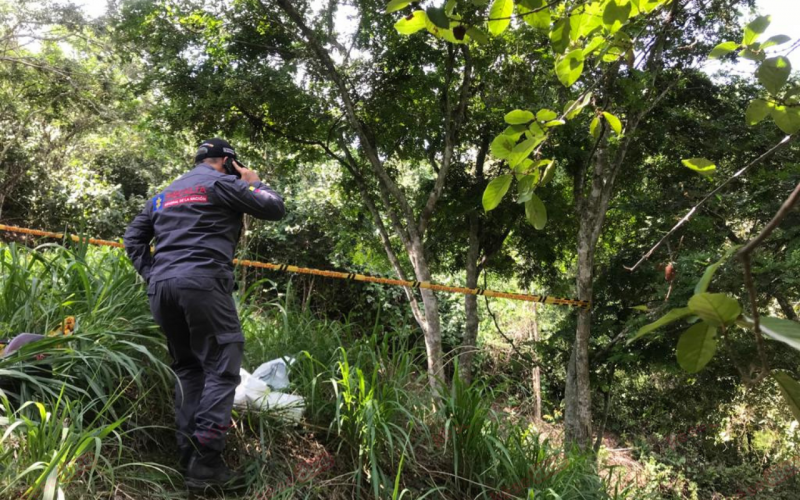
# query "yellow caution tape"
(544, 299)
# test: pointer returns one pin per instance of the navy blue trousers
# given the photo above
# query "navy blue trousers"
(198, 316)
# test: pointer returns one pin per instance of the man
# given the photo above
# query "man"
(196, 223)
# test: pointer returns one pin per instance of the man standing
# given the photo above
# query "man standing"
(196, 222)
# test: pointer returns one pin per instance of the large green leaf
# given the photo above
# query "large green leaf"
(396, 5)
(438, 17)
(594, 127)
(616, 14)
(570, 67)
(614, 122)
(696, 347)
(477, 34)
(755, 28)
(515, 131)
(525, 187)
(593, 45)
(501, 146)
(535, 212)
(495, 191)
(787, 118)
(790, 390)
(700, 165)
(756, 111)
(673, 315)
(782, 330)
(522, 150)
(549, 172)
(774, 41)
(500, 16)
(705, 280)
(545, 115)
(518, 117)
(535, 13)
(716, 309)
(722, 49)
(773, 73)
(411, 24)
(559, 36)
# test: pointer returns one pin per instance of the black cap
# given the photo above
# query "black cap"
(214, 148)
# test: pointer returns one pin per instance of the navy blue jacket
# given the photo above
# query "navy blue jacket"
(196, 223)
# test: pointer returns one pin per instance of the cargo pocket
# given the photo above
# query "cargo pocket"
(229, 356)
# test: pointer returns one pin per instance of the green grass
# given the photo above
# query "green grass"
(101, 426)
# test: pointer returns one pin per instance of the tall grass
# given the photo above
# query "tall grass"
(100, 423)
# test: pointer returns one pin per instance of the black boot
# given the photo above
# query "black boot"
(186, 453)
(206, 471)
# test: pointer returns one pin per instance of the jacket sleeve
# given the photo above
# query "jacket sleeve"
(137, 242)
(257, 199)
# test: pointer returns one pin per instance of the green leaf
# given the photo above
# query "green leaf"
(641, 308)
(594, 44)
(751, 55)
(594, 127)
(575, 23)
(782, 330)
(438, 17)
(756, 27)
(535, 14)
(716, 309)
(722, 49)
(535, 130)
(500, 16)
(495, 191)
(518, 117)
(612, 120)
(524, 167)
(544, 115)
(525, 188)
(705, 280)
(673, 315)
(774, 41)
(576, 110)
(501, 147)
(773, 73)
(616, 14)
(549, 172)
(478, 35)
(700, 165)
(515, 131)
(570, 67)
(554, 123)
(535, 212)
(559, 36)
(786, 118)
(790, 390)
(411, 24)
(522, 150)
(696, 347)
(396, 5)
(756, 111)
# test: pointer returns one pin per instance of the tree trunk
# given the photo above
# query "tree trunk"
(533, 334)
(578, 411)
(469, 342)
(786, 306)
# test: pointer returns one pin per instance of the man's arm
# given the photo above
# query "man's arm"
(255, 199)
(137, 242)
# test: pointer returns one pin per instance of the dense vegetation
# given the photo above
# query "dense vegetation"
(530, 146)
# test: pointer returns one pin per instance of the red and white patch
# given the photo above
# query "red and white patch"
(198, 198)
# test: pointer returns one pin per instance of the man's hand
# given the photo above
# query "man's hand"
(248, 175)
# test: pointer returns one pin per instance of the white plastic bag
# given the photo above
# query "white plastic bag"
(255, 391)
(274, 373)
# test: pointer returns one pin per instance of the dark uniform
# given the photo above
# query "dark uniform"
(196, 223)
